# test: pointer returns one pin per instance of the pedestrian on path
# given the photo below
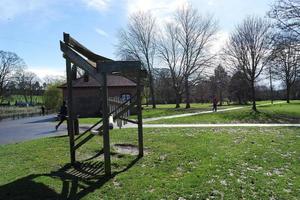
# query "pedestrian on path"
(215, 104)
(43, 110)
(62, 114)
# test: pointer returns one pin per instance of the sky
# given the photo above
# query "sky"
(33, 28)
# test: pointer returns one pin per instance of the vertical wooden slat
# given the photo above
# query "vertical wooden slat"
(140, 119)
(105, 116)
(70, 110)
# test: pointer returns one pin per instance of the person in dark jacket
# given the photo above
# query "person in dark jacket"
(62, 114)
(215, 104)
(43, 110)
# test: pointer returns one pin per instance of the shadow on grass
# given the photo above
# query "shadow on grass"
(76, 182)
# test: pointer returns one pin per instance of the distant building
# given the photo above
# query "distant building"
(87, 93)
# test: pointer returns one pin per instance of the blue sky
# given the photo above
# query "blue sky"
(33, 28)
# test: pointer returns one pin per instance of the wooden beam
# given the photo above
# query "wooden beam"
(80, 62)
(82, 49)
(70, 111)
(87, 138)
(140, 118)
(118, 66)
(105, 116)
(128, 120)
(88, 130)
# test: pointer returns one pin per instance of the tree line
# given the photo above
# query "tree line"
(15, 79)
(178, 56)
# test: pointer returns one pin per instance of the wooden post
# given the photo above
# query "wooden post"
(105, 112)
(140, 119)
(70, 110)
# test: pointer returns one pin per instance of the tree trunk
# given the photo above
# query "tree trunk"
(221, 98)
(288, 87)
(177, 100)
(152, 91)
(187, 92)
(239, 100)
(271, 86)
(253, 97)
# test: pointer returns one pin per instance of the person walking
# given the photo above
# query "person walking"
(215, 104)
(62, 114)
(43, 110)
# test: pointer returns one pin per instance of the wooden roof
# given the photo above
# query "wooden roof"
(112, 81)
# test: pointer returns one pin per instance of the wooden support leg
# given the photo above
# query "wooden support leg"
(105, 116)
(70, 110)
(140, 119)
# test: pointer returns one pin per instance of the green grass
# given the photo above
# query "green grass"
(163, 110)
(233, 163)
(11, 111)
(20, 98)
(276, 113)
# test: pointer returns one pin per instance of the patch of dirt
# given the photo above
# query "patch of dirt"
(128, 149)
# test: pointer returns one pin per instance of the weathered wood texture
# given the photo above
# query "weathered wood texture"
(70, 111)
(105, 116)
(98, 67)
(140, 118)
(82, 49)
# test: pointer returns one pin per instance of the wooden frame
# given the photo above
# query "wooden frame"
(79, 55)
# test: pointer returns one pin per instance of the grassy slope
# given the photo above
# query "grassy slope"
(169, 109)
(163, 110)
(235, 163)
(277, 113)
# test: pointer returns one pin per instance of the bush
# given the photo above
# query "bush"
(53, 97)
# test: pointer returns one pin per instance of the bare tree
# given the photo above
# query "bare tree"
(25, 81)
(9, 63)
(239, 88)
(248, 50)
(137, 42)
(172, 55)
(287, 15)
(220, 81)
(285, 61)
(195, 33)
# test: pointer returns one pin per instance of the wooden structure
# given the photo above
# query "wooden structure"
(78, 55)
(87, 92)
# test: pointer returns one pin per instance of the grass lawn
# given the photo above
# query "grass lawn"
(276, 113)
(192, 163)
(163, 110)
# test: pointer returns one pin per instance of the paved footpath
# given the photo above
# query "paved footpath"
(204, 112)
(12, 131)
(210, 125)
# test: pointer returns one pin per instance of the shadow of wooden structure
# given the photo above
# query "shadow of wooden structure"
(98, 67)
(76, 181)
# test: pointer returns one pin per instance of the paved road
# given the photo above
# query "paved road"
(13, 131)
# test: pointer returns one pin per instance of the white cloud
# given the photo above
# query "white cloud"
(12, 8)
(101, 32)
(220, 40)
(99, 5)
(44, 71)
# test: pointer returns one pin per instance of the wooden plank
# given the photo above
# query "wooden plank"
(140, 118)
(88, 130)
(80, 62)
(86, 139)
(82, 49)
(124, 110)
(70, 111)
(105, 116)
(118, 66)
(129, 120)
